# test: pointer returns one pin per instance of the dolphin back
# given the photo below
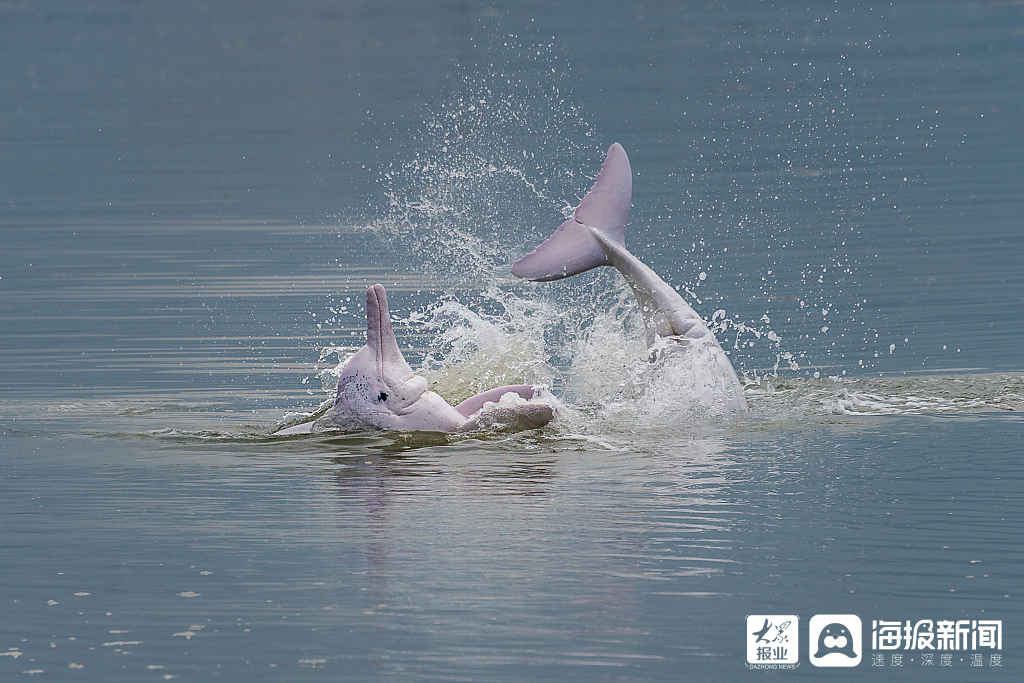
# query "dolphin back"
(574, 248)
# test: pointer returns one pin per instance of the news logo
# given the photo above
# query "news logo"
(835, 640)
(773, 641)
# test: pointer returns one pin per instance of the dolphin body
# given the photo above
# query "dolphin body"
(378, 389)
(595, 236)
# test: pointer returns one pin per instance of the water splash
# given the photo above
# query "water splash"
(473, 351)
(619, 380)
(496, 164)
(489, 163)
(460, 210)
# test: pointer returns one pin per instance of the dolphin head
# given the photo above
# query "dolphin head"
(377, 379)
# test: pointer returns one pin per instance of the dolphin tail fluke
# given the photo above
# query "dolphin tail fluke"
(570, 250)
(606, 206)
(574, 247)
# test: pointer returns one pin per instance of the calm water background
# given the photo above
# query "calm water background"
(193, 198)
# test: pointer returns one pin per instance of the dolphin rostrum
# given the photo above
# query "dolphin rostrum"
(595, 236)
(378, 389)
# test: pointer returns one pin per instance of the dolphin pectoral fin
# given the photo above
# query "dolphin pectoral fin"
(511, 414)
(301, 428)
(511, 418)
(573, 247)
(474, 403)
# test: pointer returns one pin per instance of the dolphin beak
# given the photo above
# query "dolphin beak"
(381, 336)
(376, 304)
(406, 386)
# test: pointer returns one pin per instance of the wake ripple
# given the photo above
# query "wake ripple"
(918, 395)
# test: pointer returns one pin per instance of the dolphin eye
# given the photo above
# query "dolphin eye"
(382, 396)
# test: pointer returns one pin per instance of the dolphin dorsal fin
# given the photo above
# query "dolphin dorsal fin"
(573, 248)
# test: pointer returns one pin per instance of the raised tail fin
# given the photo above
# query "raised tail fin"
(573, 248)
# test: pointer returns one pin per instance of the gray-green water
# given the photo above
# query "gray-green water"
(193, 198)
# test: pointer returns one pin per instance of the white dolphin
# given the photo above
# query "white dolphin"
(378, 389)
(595, 236)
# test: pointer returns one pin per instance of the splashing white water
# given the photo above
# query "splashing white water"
(474, 351)
(496, 166)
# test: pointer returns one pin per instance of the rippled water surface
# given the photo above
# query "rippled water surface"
(194, 198)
